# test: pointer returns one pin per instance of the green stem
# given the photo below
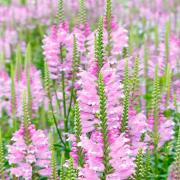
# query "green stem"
(56, 124)
(64, 102)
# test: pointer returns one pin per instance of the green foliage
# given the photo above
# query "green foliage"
(71, 173)
(156, 35)
(100, 45)
(108, 20)
(155, 107)
(131, 40)
(28, 58)
(124, 121)
(176, 164)
(155, 113)
(77, 122)
(108, 14)
(140, 169)
(104, 127)
(18, 67)
(47, 80)
(54, 174)
(147, 165)
(26, 120)
(62, 169)
(95, 47)
(168, 85)
(2, 162)
(82, 12)
(167, 34)
(135, 84)
(78, 133)
(75, 59)
(60, 12)
(13, 99)
(143, 166)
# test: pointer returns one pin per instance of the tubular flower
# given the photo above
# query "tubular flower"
(85, 39)
(137, 127)
(120, 153)
(88, 174)
(83, 33)
(89, 102)
(122, 161)
(93, 143)
(119, 37)
(58, 50)
(24, 157)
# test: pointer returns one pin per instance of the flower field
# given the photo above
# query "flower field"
(89, 90)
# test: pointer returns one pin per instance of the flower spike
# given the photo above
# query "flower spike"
(82, 12)
(104, 127)
(60, 12)
(124, 122)
(100, 45)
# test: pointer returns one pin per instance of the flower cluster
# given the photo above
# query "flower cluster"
(26, 156)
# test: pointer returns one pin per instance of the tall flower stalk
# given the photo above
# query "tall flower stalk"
(82, 12)
(104, 127)
(78, 133)
(100, 46)
(124, 122)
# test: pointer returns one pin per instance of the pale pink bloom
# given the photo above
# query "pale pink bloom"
(119, 37)
(122, 160)
(59, 38)
(87, 174)
(94, 153)
(27, 156)
(120, 153)
(137, 127)
(89, 100)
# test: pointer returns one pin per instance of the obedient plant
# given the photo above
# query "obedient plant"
(101, 78)
(29, 149)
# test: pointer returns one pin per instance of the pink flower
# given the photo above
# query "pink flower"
(89, 101)
(59, 38)
(137, 127)
(27, 156)
(120, 153)
(88, 174)
(119, 37)
(122, 160)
